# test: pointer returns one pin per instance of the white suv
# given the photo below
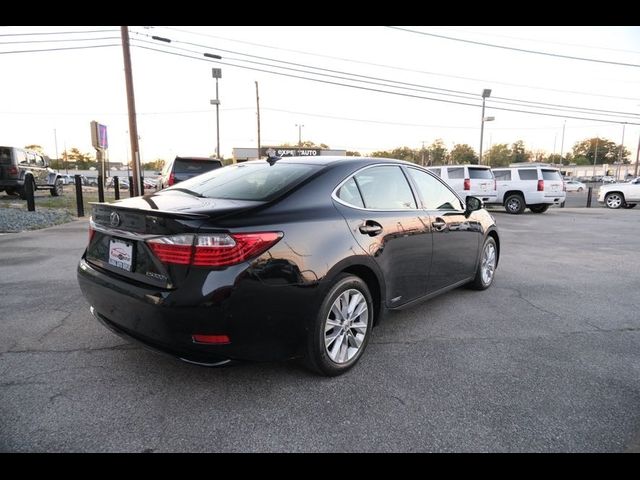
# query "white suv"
(533, 186)
(616, 195)
(475, 180)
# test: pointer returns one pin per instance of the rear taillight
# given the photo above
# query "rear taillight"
(12, 170)
(212, 250)
(467, 184)
(564, 187)
(172, 179)
(495, 184)
(92, 233)
(211, 339)
(541, 185)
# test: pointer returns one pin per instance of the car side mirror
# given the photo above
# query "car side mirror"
(473, 204)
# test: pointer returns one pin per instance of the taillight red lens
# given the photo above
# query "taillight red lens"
(212, 250)
(541, 185)
(92, 234)
(467, 184)
(211, 339)
(12, 170)
(172, 179)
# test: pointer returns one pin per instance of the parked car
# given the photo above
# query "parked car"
(183, 168)
(19, 167)
(574, 186)
(270, 260)
(608, 179)
(476, 180)
(534, 186)
(616, 195)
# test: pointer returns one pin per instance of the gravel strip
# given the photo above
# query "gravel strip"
(17, 220)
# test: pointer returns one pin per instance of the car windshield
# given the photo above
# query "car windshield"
(248, 181)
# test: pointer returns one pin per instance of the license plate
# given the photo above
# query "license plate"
(121, 254)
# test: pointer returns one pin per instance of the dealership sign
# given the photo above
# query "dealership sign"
(289, 152)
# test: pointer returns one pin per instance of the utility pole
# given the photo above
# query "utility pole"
(131, 104)
(258, 110)
(621, 144)
(635, 172)
(562, 141)
(216, 73)
(595, 157)
(299, 125)
(55, 139)
(422, 154)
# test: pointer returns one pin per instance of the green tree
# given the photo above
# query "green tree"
(581, 160)
(35, 148)
(157, 165)
(437, 152)
(606, 149)
(401, 153)
(519, 153)
(82, 161)
(353, 153)
(555, 158)
(463, 153)
(499, 155)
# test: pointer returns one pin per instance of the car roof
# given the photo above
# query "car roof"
(327, 160)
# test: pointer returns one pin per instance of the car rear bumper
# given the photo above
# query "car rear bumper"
(261, 324)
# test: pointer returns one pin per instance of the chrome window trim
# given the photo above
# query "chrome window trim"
(334, 194)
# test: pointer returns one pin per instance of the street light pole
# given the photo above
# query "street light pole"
(635, 173)
(216, 73)
(299, 134)
(258, 110)
(562, 141)
(131, 104)
(485, 93)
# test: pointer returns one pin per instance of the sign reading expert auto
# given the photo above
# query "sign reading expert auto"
(290, 152)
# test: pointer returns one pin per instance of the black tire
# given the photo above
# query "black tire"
(11, 191)
(23, 190)
(614, 200)
(480, 281)
(58, 189)
(539, 208)
(320, 348)
(514, 204)
(630, 205)
(580, 189)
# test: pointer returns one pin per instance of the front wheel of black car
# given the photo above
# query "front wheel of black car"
(486, 266)
(341, 330)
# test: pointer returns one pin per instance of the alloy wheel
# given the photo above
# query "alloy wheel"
(346, 326)
(488, 263)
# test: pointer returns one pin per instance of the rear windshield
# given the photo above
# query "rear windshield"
(195, 167)
(5, 156)
(248, 181)
(480, 173)
(551, 175)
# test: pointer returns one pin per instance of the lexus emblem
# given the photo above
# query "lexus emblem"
(114, 219)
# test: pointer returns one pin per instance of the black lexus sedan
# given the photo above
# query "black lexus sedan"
(282, 258)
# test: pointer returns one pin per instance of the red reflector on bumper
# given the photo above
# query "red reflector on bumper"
(211, 339)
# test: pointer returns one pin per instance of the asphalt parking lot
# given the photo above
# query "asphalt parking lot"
(547, 360)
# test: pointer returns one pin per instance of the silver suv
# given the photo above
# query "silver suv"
(534, 186)
(18, 167)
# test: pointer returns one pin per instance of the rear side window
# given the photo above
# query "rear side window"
(436, 171)
(21, 157)
(528, 174)
(551, 175)
(385, 188)
(480, 173)
(5, 156)
(455, 173)
(183, 165)
(435, 195)
(503, 175)
(247, 181)
(349, 193)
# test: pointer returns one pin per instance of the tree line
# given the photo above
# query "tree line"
(585, 152)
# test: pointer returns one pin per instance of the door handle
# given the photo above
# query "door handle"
(371, 228)
(439, 224)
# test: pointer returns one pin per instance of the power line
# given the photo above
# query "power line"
(421, 88)
(60, 40)
(59, 49)
(56, 33)
(359, 87)
(524, 50)
(405, 69)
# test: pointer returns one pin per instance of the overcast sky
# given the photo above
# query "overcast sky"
(66, 89)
